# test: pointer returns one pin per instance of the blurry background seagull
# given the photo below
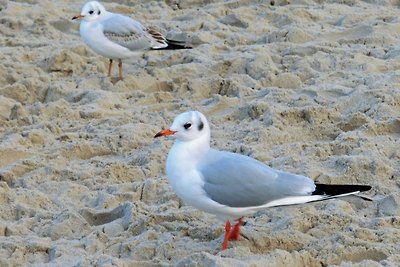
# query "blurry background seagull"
(116, 36)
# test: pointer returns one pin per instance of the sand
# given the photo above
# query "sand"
(310, 87)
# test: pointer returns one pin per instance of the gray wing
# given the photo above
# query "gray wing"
(239, 181)
(131, 34)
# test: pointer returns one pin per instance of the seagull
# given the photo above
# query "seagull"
(232, 185)
(117, 37)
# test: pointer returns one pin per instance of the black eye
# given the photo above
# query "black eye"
(187, 125)
(91, 12)
(98, 13)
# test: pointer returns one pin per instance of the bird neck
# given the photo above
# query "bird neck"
(191, 151)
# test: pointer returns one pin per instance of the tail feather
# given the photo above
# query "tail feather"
(339, 189)
(174, 45)
(321, 193)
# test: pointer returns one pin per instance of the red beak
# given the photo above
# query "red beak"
(165, 133)
(78, 17)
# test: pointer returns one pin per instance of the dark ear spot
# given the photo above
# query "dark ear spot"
(201, 126)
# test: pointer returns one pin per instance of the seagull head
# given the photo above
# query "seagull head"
(91, 11)
(188, 126)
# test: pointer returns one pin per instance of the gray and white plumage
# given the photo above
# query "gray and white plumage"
(250, 182)
(116, 36)
(231, 185)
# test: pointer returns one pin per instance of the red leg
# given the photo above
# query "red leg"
(227, 231)
(109, 67)
(120, 68)
(235, 234)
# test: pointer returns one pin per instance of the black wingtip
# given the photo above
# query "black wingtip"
(338, 189)
(175, 45)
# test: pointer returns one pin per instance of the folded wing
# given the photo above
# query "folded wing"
(131, 34)
(238, 181)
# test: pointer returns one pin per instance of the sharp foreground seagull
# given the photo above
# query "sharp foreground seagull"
(118, 37)
(231, 185)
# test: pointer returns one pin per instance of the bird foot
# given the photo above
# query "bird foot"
(235, 233)
(231, 234)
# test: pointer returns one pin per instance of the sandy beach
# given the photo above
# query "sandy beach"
(310, 87)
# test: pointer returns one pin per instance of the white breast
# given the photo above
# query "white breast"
(183, 176)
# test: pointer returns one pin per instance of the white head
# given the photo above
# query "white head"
(91, 11)
(188, 126)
